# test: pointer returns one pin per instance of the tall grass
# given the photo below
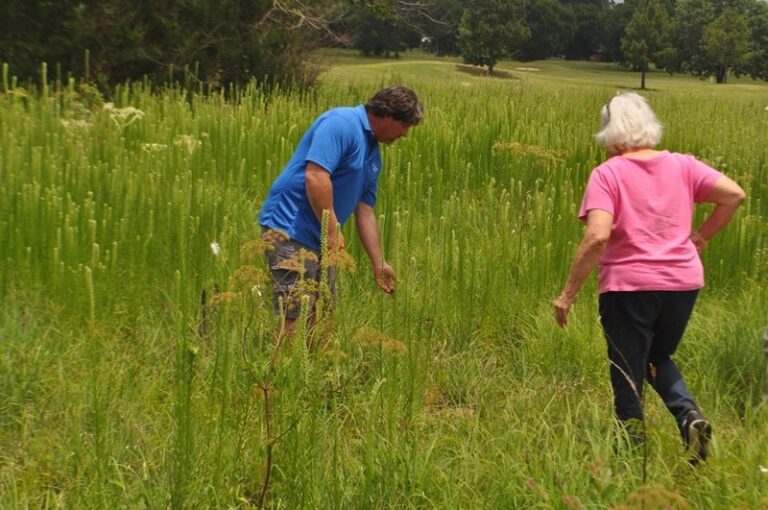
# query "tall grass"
(124, 383)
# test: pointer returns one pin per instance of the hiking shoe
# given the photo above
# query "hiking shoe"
(697, 433)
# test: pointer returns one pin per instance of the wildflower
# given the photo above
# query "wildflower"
(73, 124)
(542, 154)
(394, 346)
(153, 147)
(252, 249)
(341, 260)
(763, 469)
(245, 278)
(306, 288)
(223, 297)
(215, 249)
(368, 337)
(187, 142)
(271, 237)
(18, 93)
(296, 262)
(123, 117)
(256, 290)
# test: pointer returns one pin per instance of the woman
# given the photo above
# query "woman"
(638, 207)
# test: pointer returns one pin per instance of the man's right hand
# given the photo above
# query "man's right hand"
(336, 241)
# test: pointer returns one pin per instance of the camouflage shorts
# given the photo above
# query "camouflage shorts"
(295, 272)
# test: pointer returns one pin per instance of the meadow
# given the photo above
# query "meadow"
(134, 361)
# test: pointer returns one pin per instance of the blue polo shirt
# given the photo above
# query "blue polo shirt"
(340, 141)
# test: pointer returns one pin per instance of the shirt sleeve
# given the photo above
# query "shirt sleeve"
(703, 178)
(600, 194)
(330, 142)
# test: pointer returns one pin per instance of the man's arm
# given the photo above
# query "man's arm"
(728, 196)
(368, 229)
(588, 255)
(320, 195)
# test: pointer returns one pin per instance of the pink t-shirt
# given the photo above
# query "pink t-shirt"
(652, 206)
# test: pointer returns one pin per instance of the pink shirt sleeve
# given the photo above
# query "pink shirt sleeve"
(703, 178)
(600, 193)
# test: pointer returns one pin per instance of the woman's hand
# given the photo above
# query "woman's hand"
(562, 306)
(698, 241)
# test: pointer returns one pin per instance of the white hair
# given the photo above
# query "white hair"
(628, 122)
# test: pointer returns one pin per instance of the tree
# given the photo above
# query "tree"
(714, 38)
(645, 36)
(725, 41)
(589, 40)
(552, 25)
(757, 62)
(615, 21)
(381, 33)
(223, 41)
(441, 27)
(491, 30)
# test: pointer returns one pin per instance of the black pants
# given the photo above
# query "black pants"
(643, 330)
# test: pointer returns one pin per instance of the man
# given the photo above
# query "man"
(335, 169)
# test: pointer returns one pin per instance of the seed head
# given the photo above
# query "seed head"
(245, 278)
(252, 249)
(341, 260)
(223, 297)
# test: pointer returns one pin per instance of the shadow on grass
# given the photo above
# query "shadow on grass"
(481, 71)
(637, 89)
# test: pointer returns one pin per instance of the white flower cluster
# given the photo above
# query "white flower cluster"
(74, 124)
(187, 142)
(123, 117)
(153, 147)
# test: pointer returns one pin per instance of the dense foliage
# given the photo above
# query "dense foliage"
(219, 41)
(491, 30)
(226, 41)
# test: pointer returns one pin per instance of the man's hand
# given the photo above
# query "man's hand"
(562, 306)
(385, 277)
(336, 241)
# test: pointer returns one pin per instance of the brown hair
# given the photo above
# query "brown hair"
(398, 102)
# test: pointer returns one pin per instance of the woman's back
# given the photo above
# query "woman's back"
(651, 200)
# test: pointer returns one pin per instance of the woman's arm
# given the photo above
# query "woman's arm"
(588, 255)
(728, 196)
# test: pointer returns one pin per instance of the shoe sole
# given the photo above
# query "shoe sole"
(699, 435)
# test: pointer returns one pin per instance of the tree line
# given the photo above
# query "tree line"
(232, 41)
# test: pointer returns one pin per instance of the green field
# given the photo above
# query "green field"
(129, 379)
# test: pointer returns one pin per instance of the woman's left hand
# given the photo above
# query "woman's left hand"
(562, 306)
(698, 241)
